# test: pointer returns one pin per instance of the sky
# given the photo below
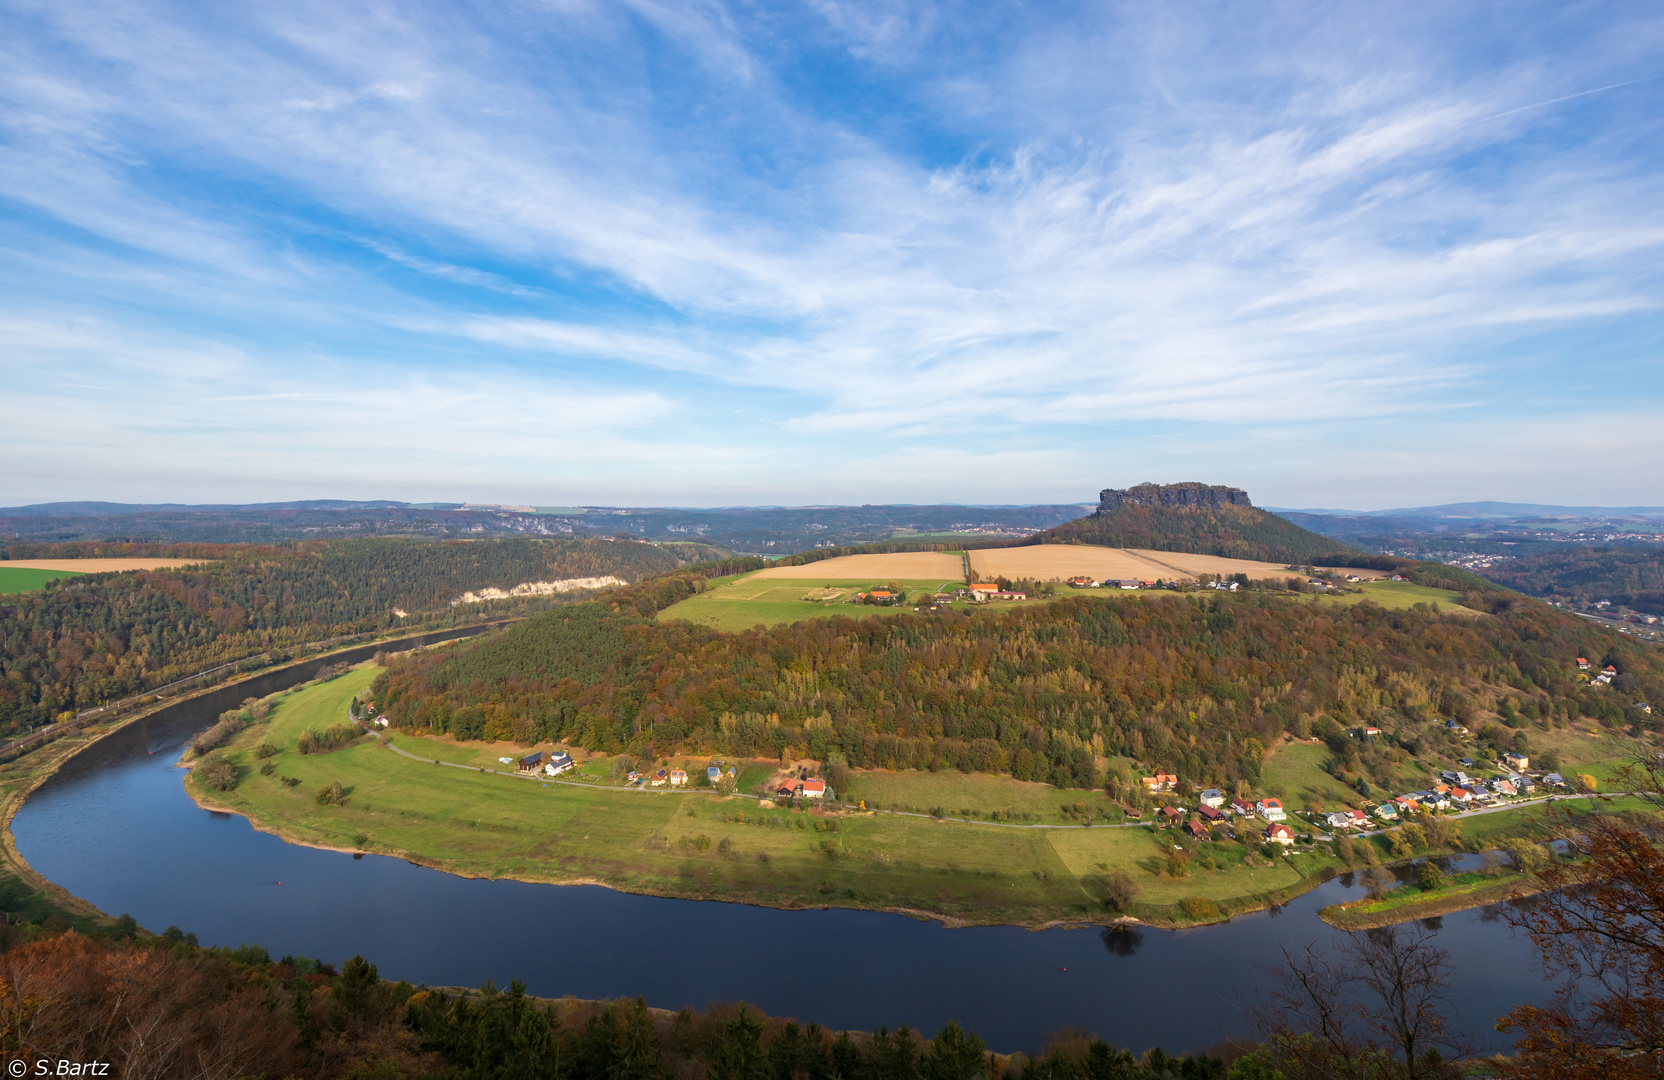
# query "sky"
(637, 253)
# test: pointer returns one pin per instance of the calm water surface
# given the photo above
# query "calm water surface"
(116, 828)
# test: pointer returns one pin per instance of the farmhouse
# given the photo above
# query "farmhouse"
(531, 762)
(660, 778)
(1082, 583)
(1169, 815)
(1270, 809)
(1213, 797)
(1280, 834)
(1160, 782)
(1339, 820)
(815, 789)
(1242, 807)
(1515, 760)
(678, 777)
(1387, 812)
(558, 762)
(1210, 813)
(1198, 828)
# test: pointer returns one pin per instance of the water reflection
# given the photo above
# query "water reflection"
(1348, 879)
(1433, 923)
(1121, 940)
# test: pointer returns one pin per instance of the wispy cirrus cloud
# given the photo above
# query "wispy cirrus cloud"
(813, 230)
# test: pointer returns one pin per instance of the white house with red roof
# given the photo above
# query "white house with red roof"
(1270, 809)
(1280, 834)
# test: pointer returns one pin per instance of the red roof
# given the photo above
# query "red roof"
(1279, 829)
(814, 785)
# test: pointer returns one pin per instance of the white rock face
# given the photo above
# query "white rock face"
(538, 588)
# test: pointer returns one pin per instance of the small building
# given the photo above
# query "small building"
(1582, 664)
(1280, 834)
(1160, 782)
(1210, 813)
(1082, 583)
(1643, 706)
(1461, 795)
(714, 775)
(815, 789)
(1270, 809)
(1372, 731)
(1516, 760)
(531, 762)
(558, 762)
(1212, 797)
(1338, 820)
(678, 777)
(1242, 807)
(1504, 787)
(1609, 671)
(1169, 815)
(1387, 812)
(1007, 594)
(660, 778)
(1407, 804)
(1555, 779)
(1198, 828)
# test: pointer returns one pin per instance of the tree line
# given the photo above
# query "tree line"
(1198, 685)
(86, 640)
(1626, 576)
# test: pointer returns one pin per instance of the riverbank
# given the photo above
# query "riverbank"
(476, 822)
(1408, 903)
(22, 776)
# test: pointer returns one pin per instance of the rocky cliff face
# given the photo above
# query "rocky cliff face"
(1186, 495)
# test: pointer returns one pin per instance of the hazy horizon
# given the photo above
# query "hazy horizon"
(839, 253)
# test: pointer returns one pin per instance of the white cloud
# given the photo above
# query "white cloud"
(1149, 218)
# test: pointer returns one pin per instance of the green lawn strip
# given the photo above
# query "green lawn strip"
(739, 603)
(1295, 773)
(1406, 902)
(1397, 596)
(19, 579)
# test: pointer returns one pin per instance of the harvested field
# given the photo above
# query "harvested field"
(900, 566)
(1045, 562)
(102, 566)
(1213, 564)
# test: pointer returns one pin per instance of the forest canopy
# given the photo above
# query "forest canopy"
(1200, 686)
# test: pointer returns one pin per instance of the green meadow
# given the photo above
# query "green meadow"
(739, 603)
(699, 844)
(1400, 596)
(18, 579)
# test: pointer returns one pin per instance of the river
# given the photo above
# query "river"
(115, 827)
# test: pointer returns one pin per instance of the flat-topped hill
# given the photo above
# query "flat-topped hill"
(1202, 519)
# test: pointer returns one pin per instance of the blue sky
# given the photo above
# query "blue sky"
(704, 254)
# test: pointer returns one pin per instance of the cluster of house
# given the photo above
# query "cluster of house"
(1213, 809)
(550, 763)
(1109, 583)
(808, 789)
(981, 591)
(1607, 673)
(1457, 790)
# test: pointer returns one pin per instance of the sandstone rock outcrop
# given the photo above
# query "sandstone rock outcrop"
(1186, 495)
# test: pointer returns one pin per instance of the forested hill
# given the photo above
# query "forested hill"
(1197, 685)
(1625, 576)
(83, 641)
(1195, 518)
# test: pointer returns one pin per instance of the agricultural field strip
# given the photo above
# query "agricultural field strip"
(388, 742)
(101, 566)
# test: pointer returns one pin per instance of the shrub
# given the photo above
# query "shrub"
(333, 795)
(1119, 891)
(1429, 876)
(289, 781)
(267, 769)
(1199, 907)
(330, 738)
(265, 750)
(230, 722)
(218, 774)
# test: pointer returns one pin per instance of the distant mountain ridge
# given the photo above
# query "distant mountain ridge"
(1201, 519)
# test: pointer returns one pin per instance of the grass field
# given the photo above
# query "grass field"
(1401, 596)
(698, 844)
(17, 579)
(740, 603)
